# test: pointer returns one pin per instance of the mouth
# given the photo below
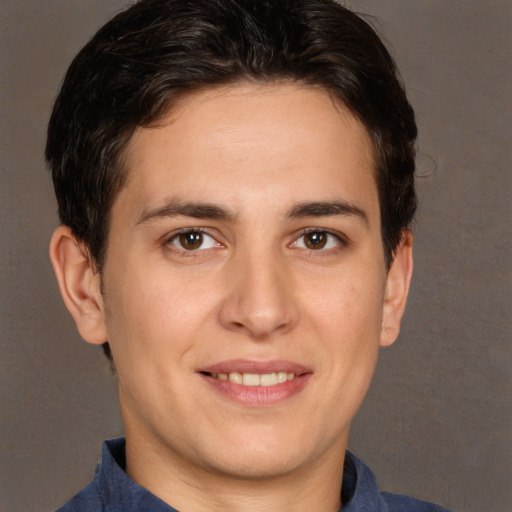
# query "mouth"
(253, 383)
(253, 379)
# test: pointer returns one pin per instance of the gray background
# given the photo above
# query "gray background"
(437, 421)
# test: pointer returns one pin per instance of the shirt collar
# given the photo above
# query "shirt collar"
(120, 493)
(359, 492)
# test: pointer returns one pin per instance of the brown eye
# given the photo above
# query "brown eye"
(319, 240)
(191, 241)
(316, 240)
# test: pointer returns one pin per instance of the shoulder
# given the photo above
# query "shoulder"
(112, 489)
(360, 492)
(399, 503)
(93, 497)
(87, 500)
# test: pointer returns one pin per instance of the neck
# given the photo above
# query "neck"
(191, 488)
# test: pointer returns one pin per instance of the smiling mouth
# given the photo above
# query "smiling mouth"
(253, 379)
(253, 383)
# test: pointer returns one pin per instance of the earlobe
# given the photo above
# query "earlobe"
(397, 290)
(79, 284)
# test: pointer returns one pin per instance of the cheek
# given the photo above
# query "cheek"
(352, 338)
(153, 313)
(350, 305)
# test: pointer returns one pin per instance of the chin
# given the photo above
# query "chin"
(265, 457)
(259, 466)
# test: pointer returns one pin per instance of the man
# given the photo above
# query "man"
(235, 185)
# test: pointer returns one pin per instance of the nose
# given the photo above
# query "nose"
(260, 300)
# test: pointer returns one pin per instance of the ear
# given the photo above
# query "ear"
(79, 284)
(397, 289)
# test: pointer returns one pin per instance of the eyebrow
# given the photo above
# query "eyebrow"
(212, 211)
(326, 209)
(186, 209)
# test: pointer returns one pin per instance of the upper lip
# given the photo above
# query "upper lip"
(258, 367)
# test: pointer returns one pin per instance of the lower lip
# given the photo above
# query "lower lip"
(258, 396)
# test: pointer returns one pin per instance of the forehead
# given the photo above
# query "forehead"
(236, 139)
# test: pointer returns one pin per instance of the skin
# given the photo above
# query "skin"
(253, 290)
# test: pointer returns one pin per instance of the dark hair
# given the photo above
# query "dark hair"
(156, 51)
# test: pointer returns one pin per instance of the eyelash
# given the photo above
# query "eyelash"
(341, 241)
(168, 242)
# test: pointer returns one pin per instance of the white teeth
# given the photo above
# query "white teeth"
(282, 377)
(251, 379)
(236, 378)
(268, 379)
(255, 379)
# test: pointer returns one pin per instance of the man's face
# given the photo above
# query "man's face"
(245, 281)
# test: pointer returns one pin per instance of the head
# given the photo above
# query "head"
(262, 88)
(153, 54)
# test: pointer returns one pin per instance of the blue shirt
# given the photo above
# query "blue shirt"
(112, 490)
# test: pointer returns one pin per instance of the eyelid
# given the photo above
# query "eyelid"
(340, 237)
(181, 231)
(168, 239)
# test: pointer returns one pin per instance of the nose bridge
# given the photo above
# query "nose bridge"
(260, 298)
